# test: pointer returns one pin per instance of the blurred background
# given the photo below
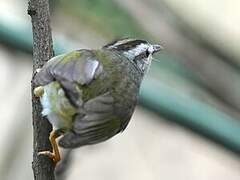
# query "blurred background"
(187, 124)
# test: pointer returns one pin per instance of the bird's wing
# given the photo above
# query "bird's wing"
(97, 123)
(77, 66)
(70, 70)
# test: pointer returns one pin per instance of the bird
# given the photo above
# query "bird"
(88, 95)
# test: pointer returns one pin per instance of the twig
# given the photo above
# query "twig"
(43, 168)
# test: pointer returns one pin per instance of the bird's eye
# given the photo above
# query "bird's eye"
(147, 53)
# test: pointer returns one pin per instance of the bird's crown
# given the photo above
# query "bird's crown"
(136, 50)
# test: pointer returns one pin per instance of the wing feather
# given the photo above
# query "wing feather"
(95, 125)
(77, 66)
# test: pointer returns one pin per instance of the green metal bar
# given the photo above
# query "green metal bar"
(18, 34)
(199, 115)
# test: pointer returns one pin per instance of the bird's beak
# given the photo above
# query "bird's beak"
(157, 47)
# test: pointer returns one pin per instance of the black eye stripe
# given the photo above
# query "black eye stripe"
(141, 56)
(147, 53)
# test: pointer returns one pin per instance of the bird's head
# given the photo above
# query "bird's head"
(137, 51)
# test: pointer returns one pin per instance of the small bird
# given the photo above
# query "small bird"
(90, 95)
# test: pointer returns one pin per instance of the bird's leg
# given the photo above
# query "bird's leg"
(55, 155)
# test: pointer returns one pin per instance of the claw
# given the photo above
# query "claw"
(51, 155)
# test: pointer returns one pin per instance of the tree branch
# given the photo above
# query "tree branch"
(43, 167)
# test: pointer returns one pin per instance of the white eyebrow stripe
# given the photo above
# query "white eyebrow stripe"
(137, 50)
(151, 49)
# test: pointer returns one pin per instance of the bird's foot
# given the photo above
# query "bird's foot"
(55, 155)
(55, 158)
(38, 91)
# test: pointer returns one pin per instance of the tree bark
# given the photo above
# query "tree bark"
(43, 167)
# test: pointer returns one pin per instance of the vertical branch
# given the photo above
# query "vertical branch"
(43, 167)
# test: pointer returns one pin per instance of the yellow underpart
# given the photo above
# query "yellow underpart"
(58, 105)
(38, 91)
